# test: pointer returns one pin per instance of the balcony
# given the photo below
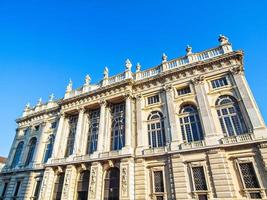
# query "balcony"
(158, 150)
(238, 139)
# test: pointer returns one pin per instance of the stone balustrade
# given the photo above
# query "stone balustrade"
(238, 139)
(191, 145)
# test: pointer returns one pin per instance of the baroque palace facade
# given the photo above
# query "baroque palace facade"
(188, 128)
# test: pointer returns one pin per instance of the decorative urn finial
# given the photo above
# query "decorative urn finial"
(164, 57)
(223, 39)
(188, 50)
(87, 80)
(138, 67)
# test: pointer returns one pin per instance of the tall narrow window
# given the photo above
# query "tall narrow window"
(32, 146)
(83, 184)
(17, 155)
(37, 189)
(73, 120)
(158, 185)
(3, 194)
(250, 180)
(190, 124)
(200, 183)
(230, 116)
(94, 118)
(58, 186)
(16, 192)
(49, 148)
(156, 131)
(118, 126)
(112, 184)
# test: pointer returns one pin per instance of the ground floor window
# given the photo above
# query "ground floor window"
(112, 184)
(83, 184)
(16, 191)
(3, 193)
(37, 188)
(58, 186)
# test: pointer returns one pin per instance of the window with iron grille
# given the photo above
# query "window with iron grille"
(219, 82)
(199, 178)
(4, 190)
(184, 90)
(249, 175)
(17, 189)
(153, 99)
(158, 181)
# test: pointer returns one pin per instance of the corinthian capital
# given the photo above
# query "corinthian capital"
(198, 80)
(168, 87)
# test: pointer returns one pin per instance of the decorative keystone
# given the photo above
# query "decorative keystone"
(164, 57)
(128, 64)
(188, 50)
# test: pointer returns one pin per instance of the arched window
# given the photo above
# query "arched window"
(58, 186)
(71, 137)
(112, 184)
(94, 118)
(17, 155)
(118, 126)
(49, 148)
(32, 145)
(156, 131)
(231, 119)
(190, 124)
(83, 184)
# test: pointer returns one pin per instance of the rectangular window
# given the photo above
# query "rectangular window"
(4, 190)
(153, 99)
(158, 190)
(184, 91)
(17, 189)
(219, 82)
(199, 178)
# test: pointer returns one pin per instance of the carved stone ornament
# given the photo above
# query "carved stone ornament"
(168, 87)
(92, 187)
(69, 86)
(87, 80)
(124, 182)
(237, 70)
(198, 80)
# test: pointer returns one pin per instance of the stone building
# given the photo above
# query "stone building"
(188, 128)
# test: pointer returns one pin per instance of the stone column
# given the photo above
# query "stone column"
(208, 124)
(128, 122)
(79, 142)
(250, 104)
(57, 149)
(102, 123)
(142, 139)
(172, 117)
(96, 182)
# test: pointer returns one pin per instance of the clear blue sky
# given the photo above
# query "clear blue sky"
(44, 43)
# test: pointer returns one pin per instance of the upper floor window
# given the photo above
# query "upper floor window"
(250, 180)
(217, 83)
(231, 119)
(49, 148)
(17, 155)
(32, 145)
(73, 120)
(153, 99)
(156, 131)
(54, 125)
(118, 126)
(184, 91)
(94, 117)
(190, 124)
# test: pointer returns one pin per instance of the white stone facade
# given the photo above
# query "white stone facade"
(188, 128)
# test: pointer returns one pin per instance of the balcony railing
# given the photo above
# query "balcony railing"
(238, 139)
(191, 145)
(157, 150)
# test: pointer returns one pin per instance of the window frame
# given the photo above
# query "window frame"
(153, 193)
(152, 97)
(219, 78)
(182, 88)
(72, 126)
(37, 179)
(96, 121)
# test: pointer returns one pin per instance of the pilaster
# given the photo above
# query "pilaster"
(78, 143)
(68, 191)
(47, 184)
(96, 182)
(127, 179)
